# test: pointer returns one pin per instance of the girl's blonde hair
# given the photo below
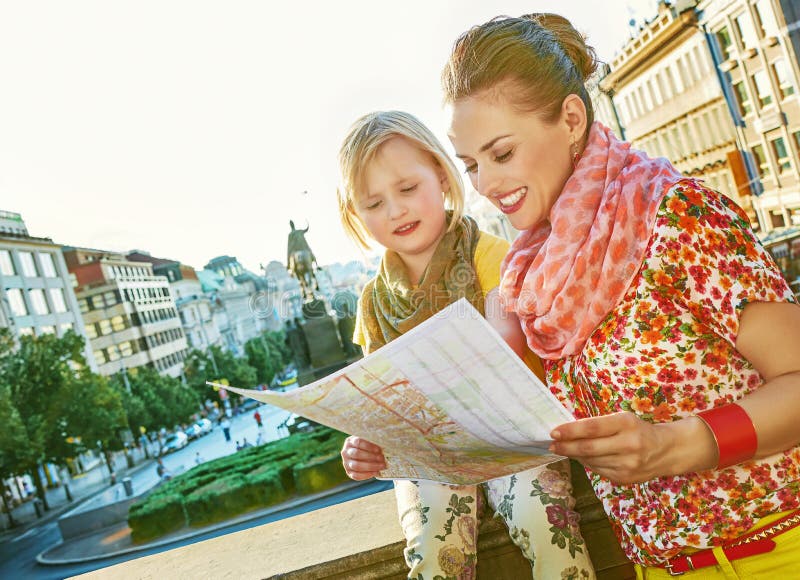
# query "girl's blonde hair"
(361, 146)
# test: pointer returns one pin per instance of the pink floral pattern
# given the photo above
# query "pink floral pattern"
(667, 351)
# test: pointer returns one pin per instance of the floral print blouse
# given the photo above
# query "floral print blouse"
(667, 351)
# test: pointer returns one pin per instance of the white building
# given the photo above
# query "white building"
(129, 313)
(36, 295)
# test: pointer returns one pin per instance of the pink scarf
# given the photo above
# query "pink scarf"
(563, 276)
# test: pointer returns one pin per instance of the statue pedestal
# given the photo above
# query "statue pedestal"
(325, 351)
(324, 348)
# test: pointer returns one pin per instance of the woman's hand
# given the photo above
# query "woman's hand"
(362, 459)
(626, 449)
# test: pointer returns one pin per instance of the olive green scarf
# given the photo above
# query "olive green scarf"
(390, 303)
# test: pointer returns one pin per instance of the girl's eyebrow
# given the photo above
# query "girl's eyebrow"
(487, 145)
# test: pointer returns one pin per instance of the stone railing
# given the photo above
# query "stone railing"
(358, 540)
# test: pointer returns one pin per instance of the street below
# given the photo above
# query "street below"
(18, 554)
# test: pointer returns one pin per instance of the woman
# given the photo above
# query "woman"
(663, 325)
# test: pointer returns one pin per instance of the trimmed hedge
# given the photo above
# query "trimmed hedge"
(160, 515)
(253, 478)
(319, 474)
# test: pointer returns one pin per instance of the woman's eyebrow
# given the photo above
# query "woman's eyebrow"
(487, 145)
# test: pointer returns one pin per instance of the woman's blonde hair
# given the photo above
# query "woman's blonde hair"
(361, 146)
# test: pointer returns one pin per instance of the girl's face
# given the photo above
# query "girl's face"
(402, 204)
(515, 159)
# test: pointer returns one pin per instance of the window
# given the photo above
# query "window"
(91, 331)
(762, 163)
(17, 302)
(110, 298)
(57, 298)
(785, 86)
(28, 265)
(126, 348)
(742, 98)
(65, 328)
(747, 34)
(700, 59)
(725, 42)
(763, 89)
(796, 136)
(781, 155)
(48, 266)
(38, 301)
(26, 331)
(6, 264)
(47, 330)
(100, 357)
(105, 327)
(765, 18)
(113, 353)
(118, 323)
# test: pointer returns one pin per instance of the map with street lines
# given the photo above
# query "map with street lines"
(448, 401)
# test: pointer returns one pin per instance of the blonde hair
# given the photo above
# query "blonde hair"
(541, 55)
(365, 138)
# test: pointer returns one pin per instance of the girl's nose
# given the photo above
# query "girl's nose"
(396, 209)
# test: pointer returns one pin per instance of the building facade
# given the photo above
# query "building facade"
(36, 294)
(757, 44)
(193, 305)
(670, 102)
(129, 313)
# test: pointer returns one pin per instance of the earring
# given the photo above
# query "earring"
(576, 155)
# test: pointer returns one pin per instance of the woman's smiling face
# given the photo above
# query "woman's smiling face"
(514, 158)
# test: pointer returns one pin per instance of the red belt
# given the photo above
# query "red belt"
(751, 544)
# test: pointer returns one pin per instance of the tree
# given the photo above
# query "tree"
(12, 443)
(199, 367)
(268, 354)
(155, 400)
(54, 396)
(103, 425)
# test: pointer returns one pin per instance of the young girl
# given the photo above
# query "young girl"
(396, 179)
(664, 326)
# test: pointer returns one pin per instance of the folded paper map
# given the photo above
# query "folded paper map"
(448, 401)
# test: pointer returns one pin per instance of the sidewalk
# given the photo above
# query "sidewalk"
(82, 487)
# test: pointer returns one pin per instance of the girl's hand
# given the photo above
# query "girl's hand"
(361, 458)
(626, 449)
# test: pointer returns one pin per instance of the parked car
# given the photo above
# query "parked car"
(249, 404)
(193, 431)
(175, 441)
(205, 426)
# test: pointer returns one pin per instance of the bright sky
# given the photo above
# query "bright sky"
(191, 129)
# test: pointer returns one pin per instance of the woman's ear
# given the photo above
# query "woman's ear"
(573, 113)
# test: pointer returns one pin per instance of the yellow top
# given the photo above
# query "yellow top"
(489, 254)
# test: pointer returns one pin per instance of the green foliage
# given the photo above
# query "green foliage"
(160, 515)
(155, 400)
(319, 474)
(252, 478)
(48, 395)
(214, 365)
(268, 354)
